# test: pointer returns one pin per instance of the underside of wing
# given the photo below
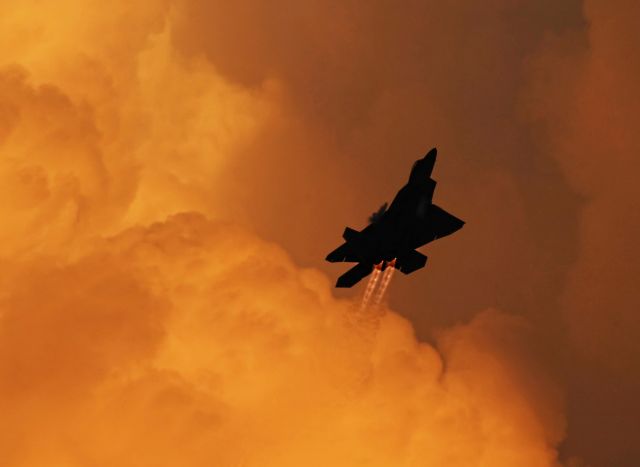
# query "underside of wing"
(437, 223)
(443, 223)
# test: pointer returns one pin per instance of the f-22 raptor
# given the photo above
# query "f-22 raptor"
(391, 238)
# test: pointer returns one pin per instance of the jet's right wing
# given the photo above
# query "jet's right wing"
(436, 224)
(443, 223)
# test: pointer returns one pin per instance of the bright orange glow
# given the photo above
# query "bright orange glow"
(386, 280)
(371, 285)
(139, 326)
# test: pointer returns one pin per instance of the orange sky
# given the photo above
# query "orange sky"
(173, 173)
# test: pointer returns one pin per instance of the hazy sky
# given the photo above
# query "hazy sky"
(174, 172)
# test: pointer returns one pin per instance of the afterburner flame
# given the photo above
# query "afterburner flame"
(384, 285)
(371, 286)
(137, 331)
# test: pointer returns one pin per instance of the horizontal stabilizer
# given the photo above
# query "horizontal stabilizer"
(410, 262)
(354, 275)
(339, 254)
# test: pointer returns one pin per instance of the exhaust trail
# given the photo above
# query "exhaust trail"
(371, 286)
(386, 280)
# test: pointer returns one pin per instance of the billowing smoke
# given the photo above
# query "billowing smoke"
(154, 154)
(195, 343)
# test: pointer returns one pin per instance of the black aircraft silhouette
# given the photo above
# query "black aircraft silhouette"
(391, 238)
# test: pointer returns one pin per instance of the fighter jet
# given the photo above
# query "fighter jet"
(391, 238)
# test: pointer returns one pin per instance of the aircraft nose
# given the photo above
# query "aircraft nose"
(431, 153)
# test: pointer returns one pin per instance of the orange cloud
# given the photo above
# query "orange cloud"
(585, 92)
(195, 342)
(101, 130)
(137, 330)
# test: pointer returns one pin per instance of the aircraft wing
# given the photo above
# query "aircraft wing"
(443, 223)
(437, 224)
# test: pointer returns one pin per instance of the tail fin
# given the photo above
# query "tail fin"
(422, 168)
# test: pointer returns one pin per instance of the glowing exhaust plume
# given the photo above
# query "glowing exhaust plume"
(371, 285)
(386, 280)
